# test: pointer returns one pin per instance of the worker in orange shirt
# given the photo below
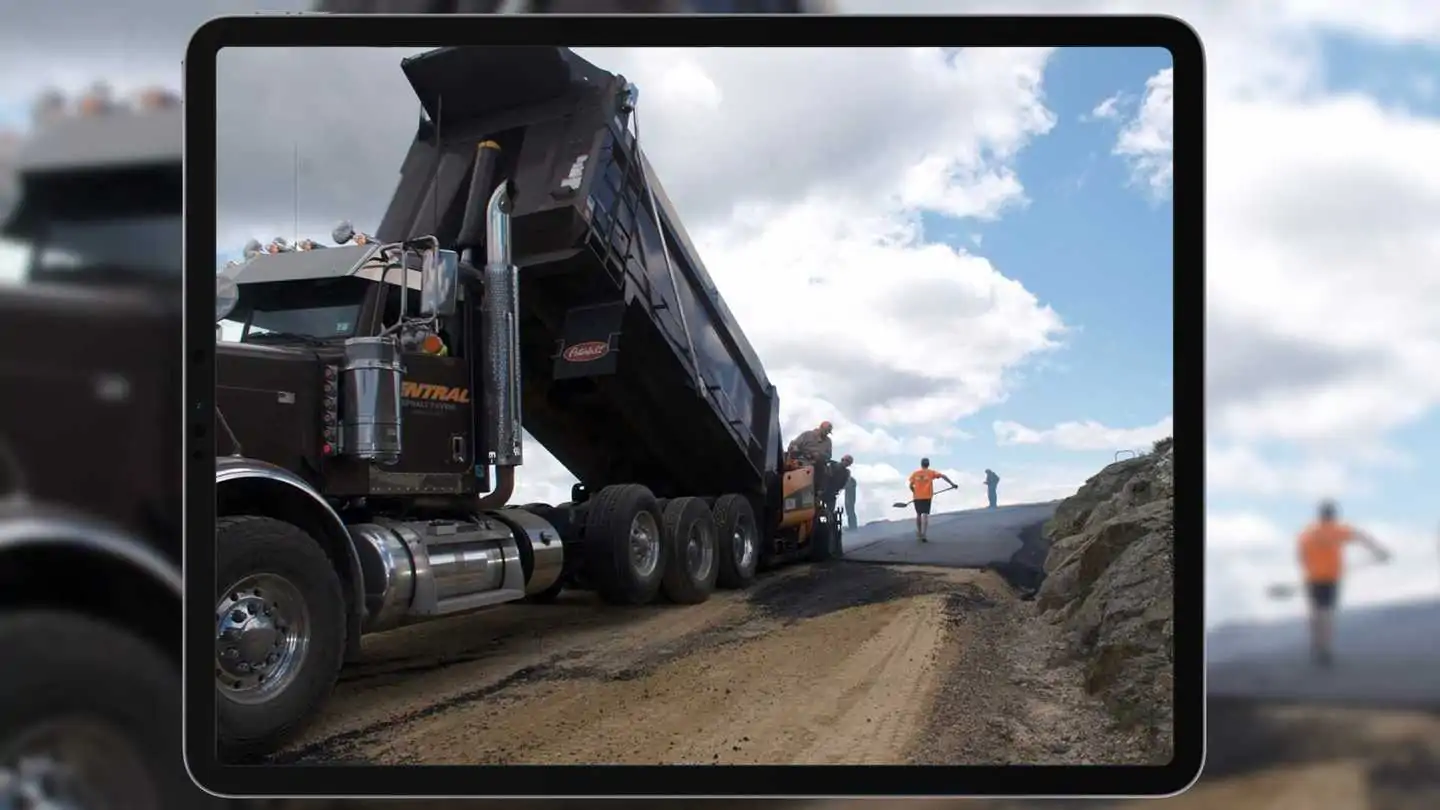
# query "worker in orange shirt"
(1322, 557)
(922, 489)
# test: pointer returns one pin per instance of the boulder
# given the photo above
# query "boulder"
(1110, 588)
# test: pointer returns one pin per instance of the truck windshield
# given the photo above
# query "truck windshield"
(143, 245)
(317, 309)
(324, 323)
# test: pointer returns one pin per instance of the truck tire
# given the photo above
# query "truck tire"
(624, 547)
(737, 541)
(272, 571)
(689, 534)
(94, 710)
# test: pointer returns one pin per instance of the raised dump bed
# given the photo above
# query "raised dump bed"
(634, 370)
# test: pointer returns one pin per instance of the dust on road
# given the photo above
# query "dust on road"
(844, 663)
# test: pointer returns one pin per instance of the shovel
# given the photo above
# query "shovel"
(912, 500)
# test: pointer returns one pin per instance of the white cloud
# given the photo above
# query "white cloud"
(1242, 469)
(835, 204)
(1323, 215)
(1087, 435)
(1106, 110)
(1147, 141)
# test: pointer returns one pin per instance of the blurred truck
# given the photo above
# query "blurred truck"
(90, 534)
(529, 269)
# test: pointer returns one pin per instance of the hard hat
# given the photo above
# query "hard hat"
(826, 425)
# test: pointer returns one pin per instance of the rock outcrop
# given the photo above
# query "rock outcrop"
(1110, 586)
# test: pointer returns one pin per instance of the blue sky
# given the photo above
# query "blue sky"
(1096, 249)
(1404, 75)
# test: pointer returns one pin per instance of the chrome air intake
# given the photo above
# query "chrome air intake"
(370, 383)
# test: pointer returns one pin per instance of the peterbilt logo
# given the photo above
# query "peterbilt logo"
(586, 352)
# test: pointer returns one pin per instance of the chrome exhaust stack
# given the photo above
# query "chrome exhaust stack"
(501, 310)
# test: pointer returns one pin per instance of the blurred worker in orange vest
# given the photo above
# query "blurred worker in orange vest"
(1322, 558)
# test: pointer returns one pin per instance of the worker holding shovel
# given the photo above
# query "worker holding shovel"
(1322, 549)
(922, 488)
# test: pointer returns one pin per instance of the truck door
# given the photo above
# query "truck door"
(435, 402)
(435, 408)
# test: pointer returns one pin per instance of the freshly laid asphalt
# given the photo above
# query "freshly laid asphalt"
(978, 538)
(1387, 656)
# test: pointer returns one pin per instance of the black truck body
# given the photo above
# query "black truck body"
(634, 369)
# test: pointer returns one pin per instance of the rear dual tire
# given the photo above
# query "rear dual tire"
(737, 541)
(689, 533)
(625, 552)
(639, 547)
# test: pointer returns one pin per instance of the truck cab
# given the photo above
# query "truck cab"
(301, 315)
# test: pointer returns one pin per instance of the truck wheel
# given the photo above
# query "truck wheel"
(279, 632)
(624, 550)
(89, 716)
(737, 541)
(689, 534)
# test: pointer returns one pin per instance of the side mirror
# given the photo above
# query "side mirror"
(439, 282)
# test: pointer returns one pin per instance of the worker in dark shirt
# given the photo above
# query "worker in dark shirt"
(849, 493)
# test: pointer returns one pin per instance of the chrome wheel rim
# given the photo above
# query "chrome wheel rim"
(742, 544)
(262, 632)
(74, 764)
(700, 551)
(644, 544)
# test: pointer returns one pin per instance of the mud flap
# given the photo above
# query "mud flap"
(590, 343)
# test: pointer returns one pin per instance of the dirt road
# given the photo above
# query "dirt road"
(847, 663)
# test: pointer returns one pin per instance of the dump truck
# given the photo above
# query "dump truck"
(90, 532)
(529, 275)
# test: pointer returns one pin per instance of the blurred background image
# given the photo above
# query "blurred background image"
(1320, 343)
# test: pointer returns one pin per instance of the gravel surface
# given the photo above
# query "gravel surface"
(1008, 696)
(844, 663)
